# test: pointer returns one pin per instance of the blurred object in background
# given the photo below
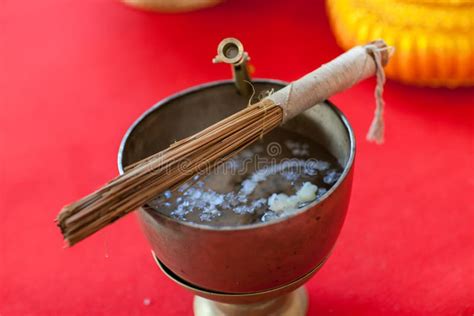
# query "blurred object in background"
(434, 39)
(171, 5)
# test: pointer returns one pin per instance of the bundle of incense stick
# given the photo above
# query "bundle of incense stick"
(175, 165)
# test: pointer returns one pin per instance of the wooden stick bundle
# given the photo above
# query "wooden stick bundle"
(175, 165)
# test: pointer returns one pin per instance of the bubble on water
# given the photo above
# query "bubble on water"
(321, 192)
(249, 185)
(208, 214)
(290, 175)
(243, 209)
(235, 201)
(297, 149)
(212, 198)
(250, 209)
(184, 187)
(259, 203)
(194, 193)
(313, 165)
(269, 216)
(241, 199)
(228, 198)
(261, 176)
(200, 204)
(181, 211)
(331, 177)
(203, 201)
(310, 170)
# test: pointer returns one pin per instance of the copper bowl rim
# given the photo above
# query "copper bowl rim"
(197, 88)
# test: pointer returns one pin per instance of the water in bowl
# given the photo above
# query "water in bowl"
(270, 179)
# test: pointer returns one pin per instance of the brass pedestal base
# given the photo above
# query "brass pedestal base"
(288, 300)
(292, 304)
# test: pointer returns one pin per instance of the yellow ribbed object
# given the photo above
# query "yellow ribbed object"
(434, 39)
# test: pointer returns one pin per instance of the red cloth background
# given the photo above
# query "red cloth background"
(75, 74)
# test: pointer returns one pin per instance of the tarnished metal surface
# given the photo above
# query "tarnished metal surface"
(240, 298)
(244, 259)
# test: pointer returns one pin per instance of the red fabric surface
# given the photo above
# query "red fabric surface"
(75, 74)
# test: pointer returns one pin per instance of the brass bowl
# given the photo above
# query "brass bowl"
(171, 6)
(244, 259)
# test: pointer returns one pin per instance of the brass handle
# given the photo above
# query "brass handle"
(231, 51)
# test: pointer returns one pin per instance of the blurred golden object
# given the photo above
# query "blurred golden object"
(171, 6)
(434, 39)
